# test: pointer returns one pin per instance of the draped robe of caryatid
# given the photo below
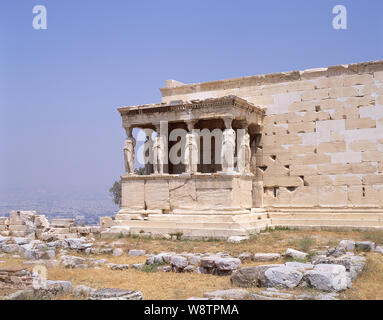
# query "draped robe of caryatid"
(244, 154)
(129, 145)
(191, 153)
(158, 155)
(228, 149)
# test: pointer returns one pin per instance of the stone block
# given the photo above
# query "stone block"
(330, 82)
(300, 86)
(360, 123)
(362, 196)
(62, 223)
(347, 180)
(257, 194)
(282, 181)
(379, 76)
(316, 116)
(183, 194)
(312, 159)
(341, 92)
(302, 106)
(364, 167)
(303, 170)
(60, 230)
(157, 194)
(345, 113)
(317, 94)
(331, 147)
(358, 79)
(363, 145)
(372, 179)
(301, 127)
(332, 196)
(330, 104)
(106, 222)
(318, 180)
(374, 156)
(334, 168)
(359, 101)
(14, 227)
(133, 194)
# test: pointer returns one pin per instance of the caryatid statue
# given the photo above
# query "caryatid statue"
(244, 155)
(130, 143)
(148, 154)
(191, 153)
(158, 154)
(228, 149)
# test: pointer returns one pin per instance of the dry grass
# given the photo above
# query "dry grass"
(161, 285)
(369, 285)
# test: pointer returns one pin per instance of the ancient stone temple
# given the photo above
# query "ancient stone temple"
(230, 157)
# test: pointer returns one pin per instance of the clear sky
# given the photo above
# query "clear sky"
(59, 88)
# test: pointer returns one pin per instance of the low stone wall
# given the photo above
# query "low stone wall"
(33, 226)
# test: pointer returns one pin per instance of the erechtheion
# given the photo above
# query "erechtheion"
(231, 157)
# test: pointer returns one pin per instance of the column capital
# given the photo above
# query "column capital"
(128, 130)
(190, 124)
(228, 121)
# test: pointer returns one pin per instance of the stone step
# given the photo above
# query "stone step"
(325, 210)
(195, 233)
(180, 225)
(207, 218)
(278, 221)
(327, 215)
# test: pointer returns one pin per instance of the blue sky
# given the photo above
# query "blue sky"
(59, 88)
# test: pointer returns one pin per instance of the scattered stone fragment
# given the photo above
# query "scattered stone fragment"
(347, 245)
(327, 277)
(136, 253)
(178, 263)
(21, 241)
(137, 266)
(118, 252)
(251, 276)
(262, 257)
(114, 266)
(163, 257)
(225, 266)
(75, 244)
(115, 294)
(54, 288)
(295, 254)
(283, 277)
(166, 268)
(74, 262)
(301, 267)
(237, 239)
(189, 268)
(365, 245)
(245, 257)
(230, 294)
(10, 248)
(82, 291)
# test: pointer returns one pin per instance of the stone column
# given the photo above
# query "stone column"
(129, 145)
(158, 152)
(191, 153)
(228, 147)
(244, 152)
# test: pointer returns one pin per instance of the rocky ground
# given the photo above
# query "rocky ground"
(277, 264)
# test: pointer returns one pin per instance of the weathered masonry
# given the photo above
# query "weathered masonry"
(314, 159)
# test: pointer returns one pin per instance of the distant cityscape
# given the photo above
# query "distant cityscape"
(86, 208)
